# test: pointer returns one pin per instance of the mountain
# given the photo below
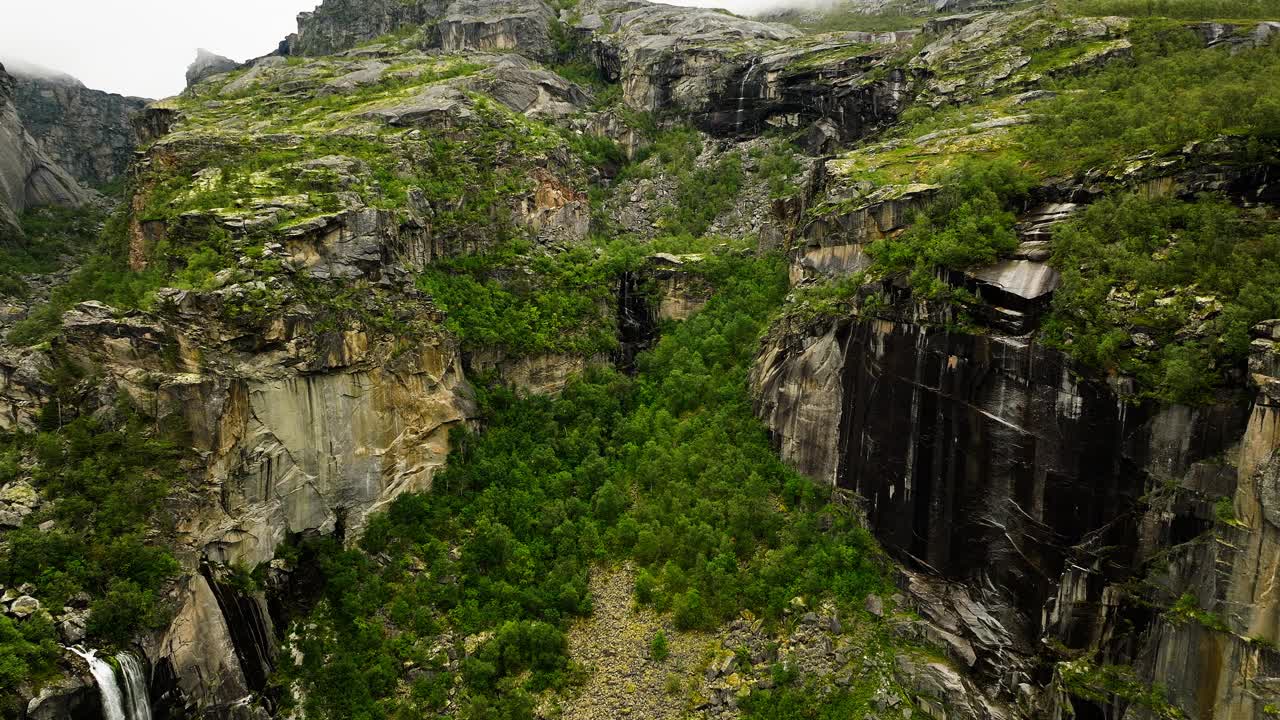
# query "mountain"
(605, 358)
(28, 176)
(88, 132)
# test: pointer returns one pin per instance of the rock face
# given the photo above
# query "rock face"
(207, 64)
(733, 76)
(983, 460)
(88, 133)
(70, 697)
(484, 25)
(28, 177)
(1231, 673)
(728, 75)
(219, 649)
(312, 433)
(338, 25)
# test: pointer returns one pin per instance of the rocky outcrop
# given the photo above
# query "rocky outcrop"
(1221, 659)
(207, 64)
(89, 133)
(732, 76)
(982, 459)
(480, 25)
(28, 177)
(497, 25)
(303, 434)
(198, 650)
(536, 374)
(338, 25)
(680, 293)
(71, 696)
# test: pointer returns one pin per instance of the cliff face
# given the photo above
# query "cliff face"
(336, 244)
(1084, 522)
(89, 133)
(28, 176)
(984, 461)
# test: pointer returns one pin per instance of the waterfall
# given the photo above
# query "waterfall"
(135, 685)
(131, 704)
(742, 94)
(108, 688)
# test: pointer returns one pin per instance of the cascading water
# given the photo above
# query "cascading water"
(742, 94)
(131, 703)
(135, 686)
(105, 676)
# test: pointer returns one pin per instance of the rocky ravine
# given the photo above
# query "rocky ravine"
(1020, 496)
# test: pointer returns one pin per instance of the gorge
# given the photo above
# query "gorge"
(603, 358)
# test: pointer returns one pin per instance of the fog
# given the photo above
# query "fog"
(143, 47)
(140, 47)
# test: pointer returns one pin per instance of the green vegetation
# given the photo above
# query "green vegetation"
(28, 649)
(669, 469)
(701, 192)
(778, 166)
(1191, 277)
(969, 222)
(50, 234)
(527, 303)
(1183, 9)
(658, 649)
(1187, 609)
(1107, 683)
(1100, 118)
(103, 275)
(1225, 511)
(790, 701)
(110, 482)
(848, 17)
(1160, 289)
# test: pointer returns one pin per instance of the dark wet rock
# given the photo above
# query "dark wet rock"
(987, 461)
(732, 76)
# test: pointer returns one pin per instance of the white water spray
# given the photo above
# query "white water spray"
(105, 676)
(127, 701)
(135, 686)
(742, 94)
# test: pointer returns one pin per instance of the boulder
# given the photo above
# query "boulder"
(24, 606)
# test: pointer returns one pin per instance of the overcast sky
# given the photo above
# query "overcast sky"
(143, 47)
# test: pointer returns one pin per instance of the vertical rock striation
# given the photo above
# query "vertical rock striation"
(89, 133)
(28, 177)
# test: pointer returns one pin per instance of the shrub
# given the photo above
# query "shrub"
(1134, 264)
(970, 222)
(658, 649)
